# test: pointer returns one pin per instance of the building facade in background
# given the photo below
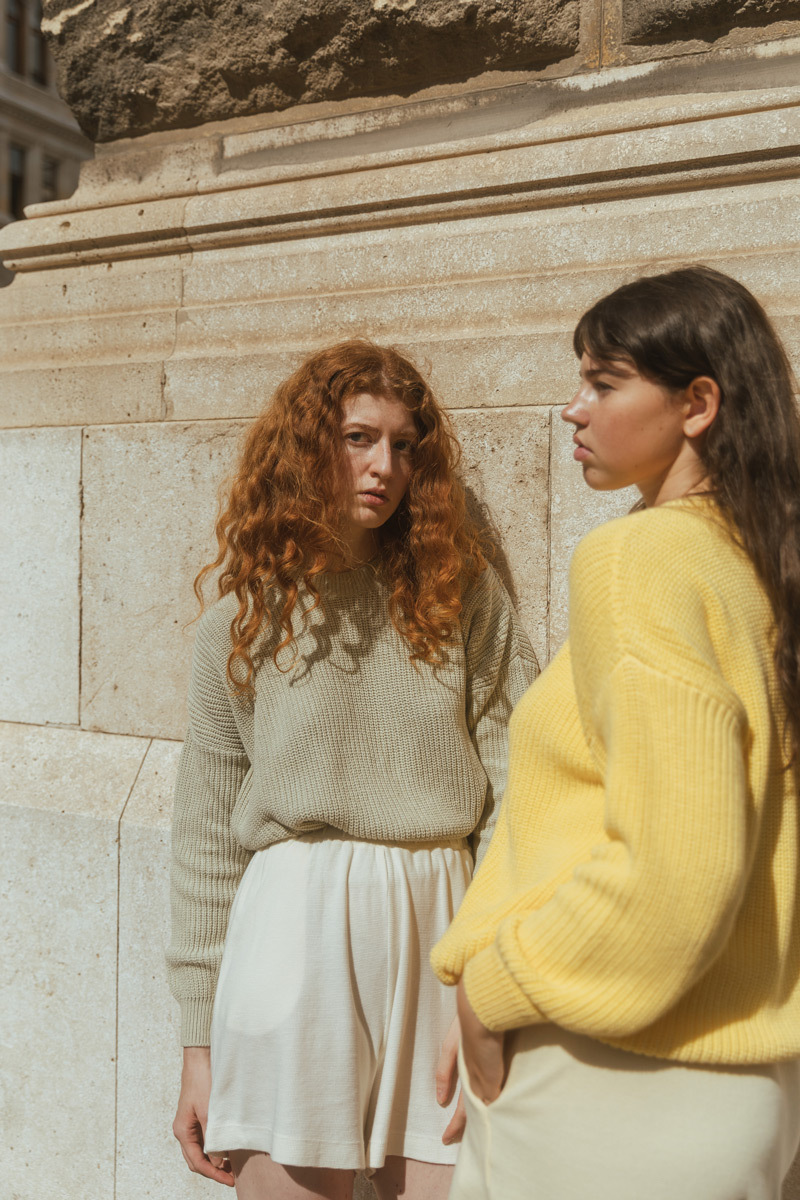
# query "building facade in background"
(41, 146)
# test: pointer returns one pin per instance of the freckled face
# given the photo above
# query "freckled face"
(628, 430)
(379, 436)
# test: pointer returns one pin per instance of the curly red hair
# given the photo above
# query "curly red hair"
(280, 526)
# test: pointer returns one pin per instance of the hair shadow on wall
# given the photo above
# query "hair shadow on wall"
(483, 517)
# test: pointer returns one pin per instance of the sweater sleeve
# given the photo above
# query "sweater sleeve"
(207, 861)
(643, 917)
(501, 665)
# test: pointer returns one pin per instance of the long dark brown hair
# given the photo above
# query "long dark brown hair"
(696, 321)
(279, 527)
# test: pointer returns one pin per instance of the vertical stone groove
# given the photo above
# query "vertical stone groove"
(80, 582)
(116, 963)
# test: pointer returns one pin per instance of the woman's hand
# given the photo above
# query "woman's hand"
(482, 1050)
(446, 1081)
(190, 1121)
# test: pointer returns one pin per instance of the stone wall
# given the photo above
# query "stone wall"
(131, 69)
(151, 316)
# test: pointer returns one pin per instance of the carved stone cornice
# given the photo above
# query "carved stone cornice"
(242, 183)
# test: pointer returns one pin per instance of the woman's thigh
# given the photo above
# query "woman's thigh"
(578, 1119)
(412, 1179)
(259, 1178)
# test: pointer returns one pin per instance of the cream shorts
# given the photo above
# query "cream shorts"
(578, 1120)
(328, 1021)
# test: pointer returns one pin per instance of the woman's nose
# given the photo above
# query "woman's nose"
(382, 458)
(575, 411)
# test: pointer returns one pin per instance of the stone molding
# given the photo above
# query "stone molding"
(228, 189)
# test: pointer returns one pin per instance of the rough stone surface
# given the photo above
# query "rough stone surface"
(668, 20)
(127, 69)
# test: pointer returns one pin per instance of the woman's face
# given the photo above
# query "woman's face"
(379, 436)
(629, 430)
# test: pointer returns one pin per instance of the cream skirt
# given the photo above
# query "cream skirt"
(578, 1120)
(328, 1021)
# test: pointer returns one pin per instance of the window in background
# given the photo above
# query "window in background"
(49, 178)
(15, 36)
(37, 43)
(16, 181)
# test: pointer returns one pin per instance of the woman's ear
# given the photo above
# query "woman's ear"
(701, 402)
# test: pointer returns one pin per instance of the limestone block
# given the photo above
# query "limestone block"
(609, 237)
(521, 368)
(61, 795)
(149, 1160)
(101, 338)
(236, 385)
(40, 471)
(574, 510)
(149, 510)
(505, 470)
(114, 287)
(81, 395)
(665, 20)
(524, 368)
(131, 69)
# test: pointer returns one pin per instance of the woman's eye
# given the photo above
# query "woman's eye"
(404, 447)
(357, 438)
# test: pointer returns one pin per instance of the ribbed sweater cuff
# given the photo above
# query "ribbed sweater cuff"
(196, 1022)
(495, 996)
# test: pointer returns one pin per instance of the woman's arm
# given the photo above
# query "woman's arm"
(641, 919)
(189, 1126)
(207, 860)
(501, 666)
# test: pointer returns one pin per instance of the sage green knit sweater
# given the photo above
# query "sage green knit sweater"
(354, 737)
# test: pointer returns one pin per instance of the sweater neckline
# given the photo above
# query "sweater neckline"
(353, 582)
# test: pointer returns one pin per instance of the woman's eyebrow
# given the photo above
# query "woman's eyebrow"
(622, 372)
(408, 432)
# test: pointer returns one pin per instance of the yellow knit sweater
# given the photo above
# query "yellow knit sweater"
(642, 884)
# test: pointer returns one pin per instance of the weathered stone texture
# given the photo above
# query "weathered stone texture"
(61, 795)
(668, 20)
(149, 1025)
(131, 69)
(505, 471)
(40, 574)
(149, 511)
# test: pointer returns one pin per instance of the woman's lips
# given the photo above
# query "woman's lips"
(375, 499)
(580, 453)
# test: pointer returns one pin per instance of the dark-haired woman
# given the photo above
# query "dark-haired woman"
(345, 755)
(628, 957)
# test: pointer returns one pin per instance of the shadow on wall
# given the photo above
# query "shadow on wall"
(482, 516)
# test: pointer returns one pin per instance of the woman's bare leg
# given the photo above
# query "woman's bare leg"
(259, 1178)
(412, 1179)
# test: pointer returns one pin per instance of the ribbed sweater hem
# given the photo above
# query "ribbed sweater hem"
(497, 999)
(196, 1022)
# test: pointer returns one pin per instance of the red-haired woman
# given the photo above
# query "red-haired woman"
(344, 760)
